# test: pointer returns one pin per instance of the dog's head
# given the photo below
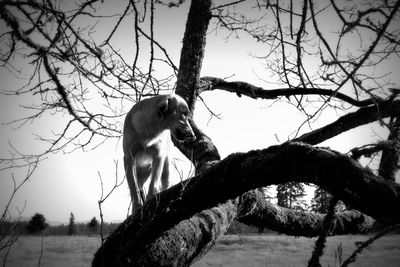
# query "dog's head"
(175, 114)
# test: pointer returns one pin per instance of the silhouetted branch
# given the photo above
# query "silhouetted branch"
(327, 225)
(368, 242)
(390, 159)
(352, 120)
(243, 88)
(369, 150)
(8, 232)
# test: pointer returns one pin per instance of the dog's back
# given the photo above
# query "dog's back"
(142, 122)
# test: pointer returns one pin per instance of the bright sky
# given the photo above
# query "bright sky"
(65, 183)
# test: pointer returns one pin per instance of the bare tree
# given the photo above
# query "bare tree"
(73, 70)
(9, 233)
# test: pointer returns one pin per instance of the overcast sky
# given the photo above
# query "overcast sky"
(65, 183)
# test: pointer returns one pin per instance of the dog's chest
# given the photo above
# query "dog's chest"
(158, 143)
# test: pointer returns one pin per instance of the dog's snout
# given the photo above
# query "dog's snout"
(191, 137)
(185, 134)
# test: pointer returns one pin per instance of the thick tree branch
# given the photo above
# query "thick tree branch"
(352, 120)
(241, 172)
(247, 89)
(179, 246)
(257, 211)
(369, 150)
(189, 240)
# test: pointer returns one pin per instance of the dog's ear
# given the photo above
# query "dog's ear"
(164, 106)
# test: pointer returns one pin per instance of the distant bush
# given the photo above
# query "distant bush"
(93, 226)
(36, 224)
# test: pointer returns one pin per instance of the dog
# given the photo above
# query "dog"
(147, 141)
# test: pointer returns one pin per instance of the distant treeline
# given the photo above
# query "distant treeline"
(83, 229)
(238, 228)
(20, 228)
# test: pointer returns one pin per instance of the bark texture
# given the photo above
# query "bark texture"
(255, 210)
(192, 53)
(390, 160)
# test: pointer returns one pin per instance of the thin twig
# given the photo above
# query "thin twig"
(368, 242)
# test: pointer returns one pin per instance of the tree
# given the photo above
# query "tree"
(72, 69)
(289, 195)
(320, 201)
(93, 225)
(71, 225)
(36, 224)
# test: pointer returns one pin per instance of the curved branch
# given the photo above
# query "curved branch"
(257, 211)
(352, 120)
(243, 88)
(237, 174)
(369, 150)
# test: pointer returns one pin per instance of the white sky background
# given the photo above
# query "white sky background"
(66, 183)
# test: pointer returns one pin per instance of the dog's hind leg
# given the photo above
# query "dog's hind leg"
(142, 173)
(131, 177)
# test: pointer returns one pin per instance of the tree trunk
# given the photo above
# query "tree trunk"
(203, 150)
(192, 52)
(390, 156)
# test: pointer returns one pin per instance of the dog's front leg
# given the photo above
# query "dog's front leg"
(165, 175)
(156, 171)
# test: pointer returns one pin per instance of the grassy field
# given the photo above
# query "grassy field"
(238, 251)
(230, 250)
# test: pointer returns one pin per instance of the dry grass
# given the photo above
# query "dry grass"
(282, 250)
(230, 251)
(57, 251)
